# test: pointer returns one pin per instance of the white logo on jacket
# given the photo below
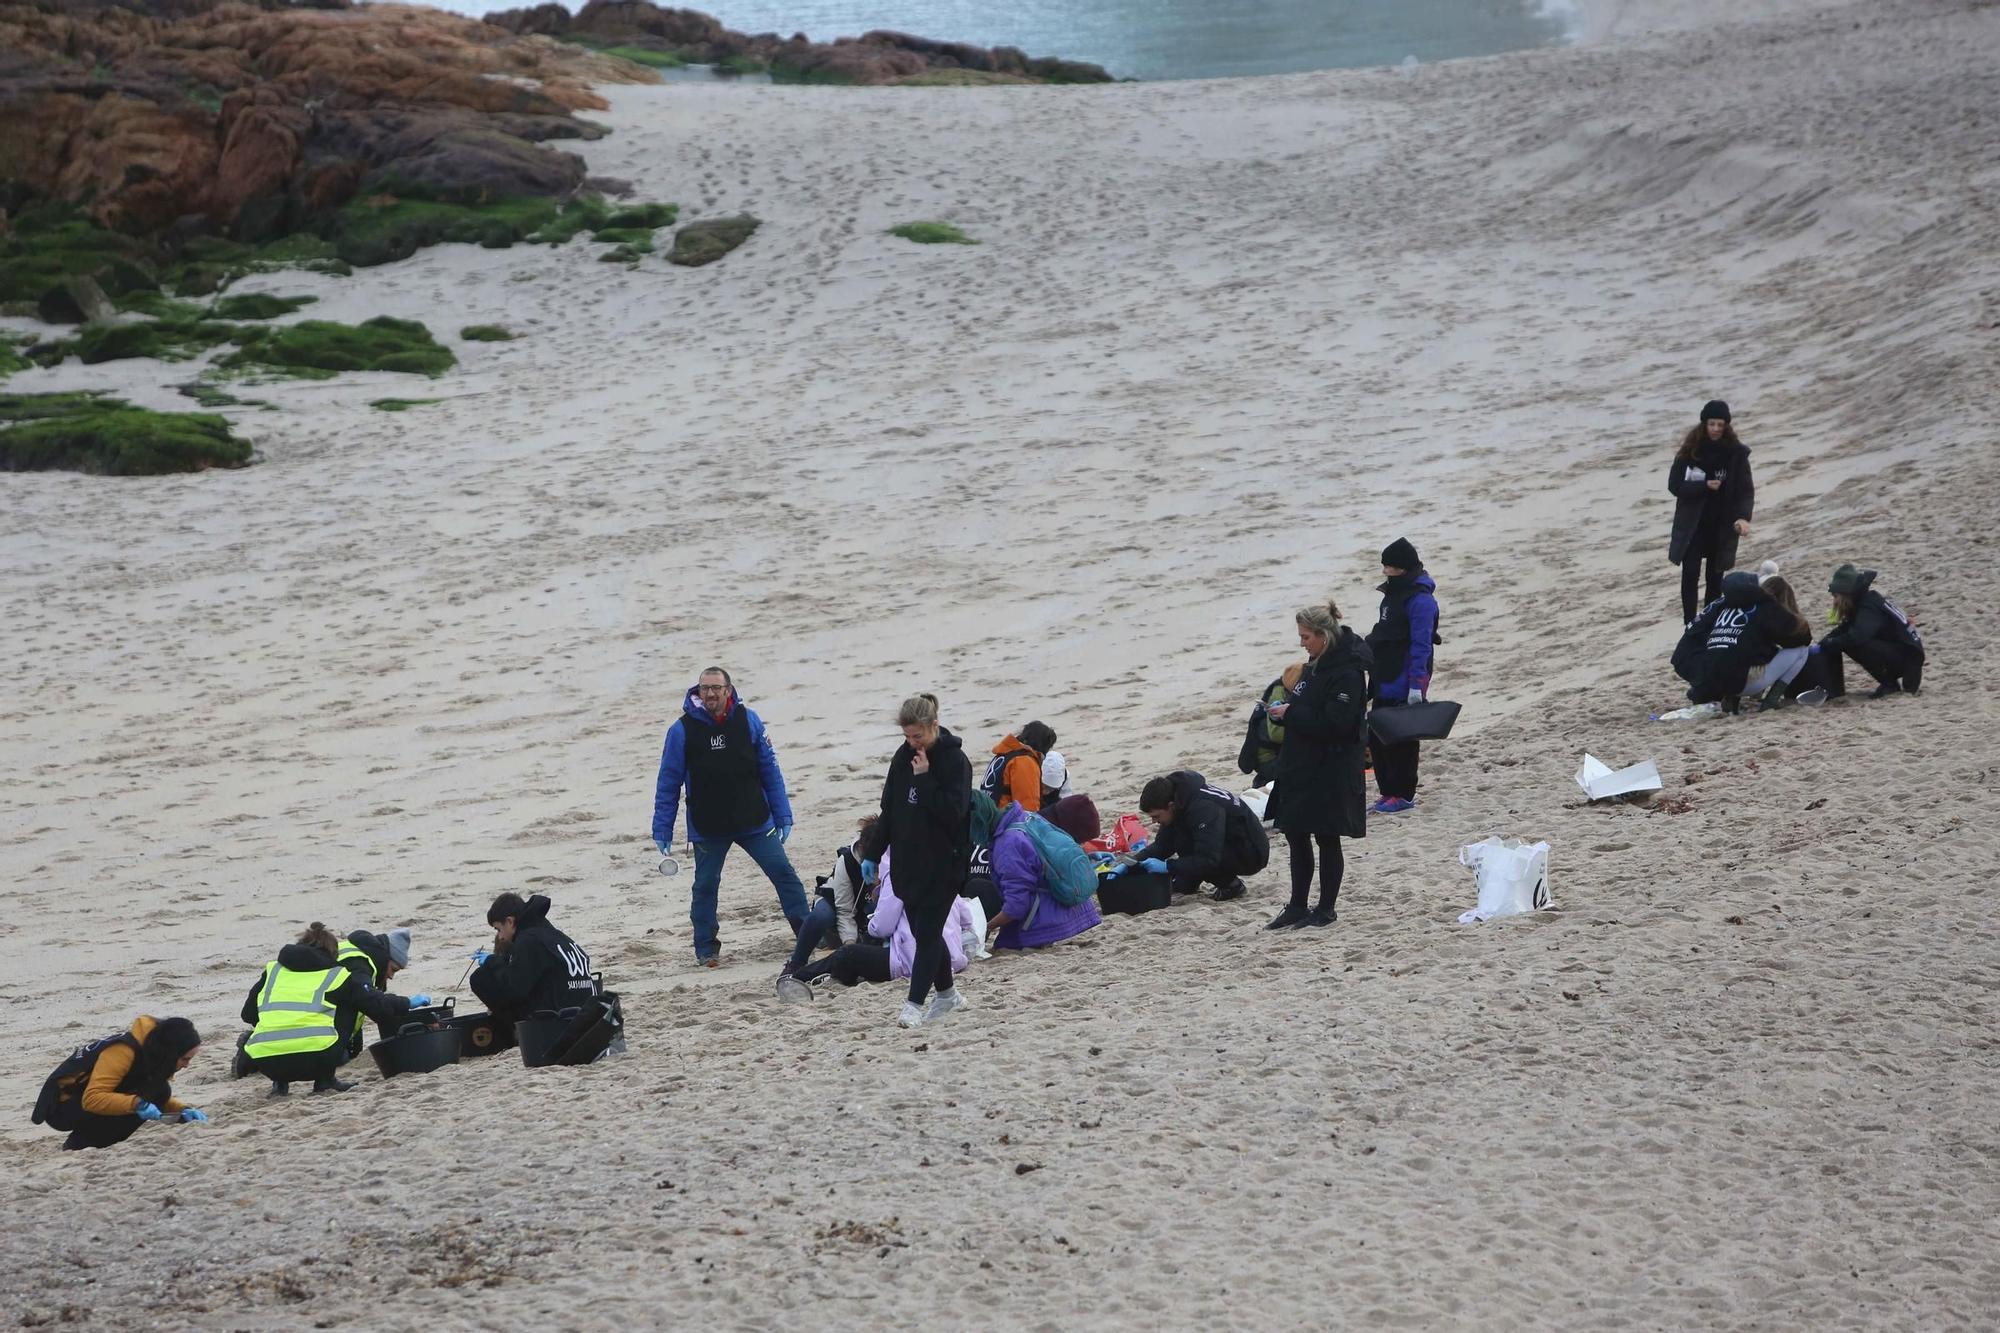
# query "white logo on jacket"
(718, 742)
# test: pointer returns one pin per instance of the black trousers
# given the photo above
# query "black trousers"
(1332, 866)
(1187, 876)
(850, 965)
(987, 892)
(302, 1066)
(932, 968)
(1888, 663)
(1395, 765)
(1700, 552)
(101, 1131)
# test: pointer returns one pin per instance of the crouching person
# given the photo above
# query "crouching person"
(1874, 632)
(107, 1088)
(305, 1008)
(1207, 835)
(533, 965)
(1030, 914)
(1746, 638)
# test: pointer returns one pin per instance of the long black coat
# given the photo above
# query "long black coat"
(928, 814)
(1322, 787)
(1737, 500)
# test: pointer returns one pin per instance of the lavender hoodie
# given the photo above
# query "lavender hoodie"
(889, 922)
(1017, 869)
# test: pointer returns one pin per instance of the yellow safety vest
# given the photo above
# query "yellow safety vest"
(349, 949)
(294, 1017)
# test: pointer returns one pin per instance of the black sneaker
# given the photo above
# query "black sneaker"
(1231, 891)
(1320, 916)
(332, 1084)
(1884, 691)
(281, 1090)
(1291, 916)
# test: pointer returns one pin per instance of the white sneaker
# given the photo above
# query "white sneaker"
(912, 1016)
(793, 991)
(943, 1004)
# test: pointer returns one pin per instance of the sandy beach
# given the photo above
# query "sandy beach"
(1219, 343)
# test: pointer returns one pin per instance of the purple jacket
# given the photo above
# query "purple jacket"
(891, 923)
(1017, 869)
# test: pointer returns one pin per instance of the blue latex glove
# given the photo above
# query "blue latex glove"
(665, 850)
(870, 873)
(784, 833)
(1153, 865)
(148, 1111)
(193, 1117)
(420, 1002)
(479, 957)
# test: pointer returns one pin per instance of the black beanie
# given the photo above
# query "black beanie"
(1715, 410)
(1399, 554)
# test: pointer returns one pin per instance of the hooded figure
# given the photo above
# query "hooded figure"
(108, 1088)
(1741, 630)
(536, 968)
(1874, 632)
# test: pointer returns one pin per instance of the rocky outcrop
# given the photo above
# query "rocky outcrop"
(872, 58)
(253, 121)
(708, 240)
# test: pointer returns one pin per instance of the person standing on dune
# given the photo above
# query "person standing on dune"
(1713, 500)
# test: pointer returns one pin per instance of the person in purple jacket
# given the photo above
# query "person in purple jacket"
(1405, 633)
(1029, 916)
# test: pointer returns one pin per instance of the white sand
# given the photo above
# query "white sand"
(1745, 1076)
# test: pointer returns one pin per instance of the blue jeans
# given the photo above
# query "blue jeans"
(769, 854)
(818, 925)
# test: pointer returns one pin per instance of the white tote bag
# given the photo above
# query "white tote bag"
(1512, 876)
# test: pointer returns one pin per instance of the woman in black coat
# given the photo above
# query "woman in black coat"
(927, 804)
(1714, 497)
(1322, 790)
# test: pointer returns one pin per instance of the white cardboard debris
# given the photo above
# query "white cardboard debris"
(1599, 782)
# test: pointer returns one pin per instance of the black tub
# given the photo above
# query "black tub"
(416, 1050)
(482, 1034)
(571, 1036)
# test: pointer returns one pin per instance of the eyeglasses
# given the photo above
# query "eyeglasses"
(712, 689)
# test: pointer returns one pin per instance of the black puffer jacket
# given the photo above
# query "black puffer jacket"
(1211, 828)
(542, 969)
(1741, 630)
(1322, 787)
(928, 814)
(1736, 501)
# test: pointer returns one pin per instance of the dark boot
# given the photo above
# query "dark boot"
(331, 1083)
(1234, 889)
(280, 1089)
(1294, 914)
(1323, 915)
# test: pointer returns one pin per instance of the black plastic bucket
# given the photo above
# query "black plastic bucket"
(572, 1036)
(540, 1034)
(416, 1050)
(482, 1034)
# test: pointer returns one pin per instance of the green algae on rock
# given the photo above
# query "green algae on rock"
(487, 333)
(317, 348)
(932, 233)
(87, 432)
(710, 239)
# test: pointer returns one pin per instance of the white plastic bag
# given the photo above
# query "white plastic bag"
(1257, 799)
(1513, 877)
(975, 939)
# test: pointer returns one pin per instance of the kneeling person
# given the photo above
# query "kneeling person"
(1207, 835)
(305, 1008)
(1030, 916)
(533, 966)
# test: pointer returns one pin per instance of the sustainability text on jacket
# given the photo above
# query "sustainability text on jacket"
(1322, 786)
(1211, 827)
(730, 771)
(1739, 631)
(1875, 618)
(1022, 876)
(1710, 515)
(1404, 634)
(542, 969)
(929, 818)
(351, 997)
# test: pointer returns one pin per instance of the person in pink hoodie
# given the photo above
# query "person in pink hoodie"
(889, 950)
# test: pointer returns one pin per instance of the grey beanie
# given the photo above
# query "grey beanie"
(399, 946)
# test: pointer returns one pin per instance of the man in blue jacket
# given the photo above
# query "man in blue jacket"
(720, 751)
(1404, 634)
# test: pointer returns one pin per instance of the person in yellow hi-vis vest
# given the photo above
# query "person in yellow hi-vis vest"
(304, 1005)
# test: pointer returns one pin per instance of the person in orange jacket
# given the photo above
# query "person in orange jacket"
(1014, 774)
(107, 1088)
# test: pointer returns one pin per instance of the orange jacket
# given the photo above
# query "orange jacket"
(1021, 780)
(101, 1095)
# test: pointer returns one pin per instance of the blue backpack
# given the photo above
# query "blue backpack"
(1068, 874)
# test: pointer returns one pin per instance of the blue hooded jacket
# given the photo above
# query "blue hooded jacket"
(1414, 671)
(673, 776)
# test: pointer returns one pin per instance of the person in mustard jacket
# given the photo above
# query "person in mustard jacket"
(107, 1088)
